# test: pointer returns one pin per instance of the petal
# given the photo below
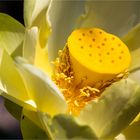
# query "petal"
(30, 41)
(58, 127)
(33, 52)
(135, 75)
(14, 109)
(32, 9)
(65, 127)
(36, 16)
(42, 90)
(132, 40)
(10, 77)
(28, 124)
(11, 33)
(113, 16)
(9, 88)
(132, 131)
(62, 16)
(41, 59)
(115, 109)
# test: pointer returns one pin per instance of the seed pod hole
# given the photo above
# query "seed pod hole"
(113, 38)
(100, 60)
(83, 34)
(90, 46)
(112, 49)
(90, 54)
(112, 61)
(103, 44)
(120, 57)
(90, 31)
(108, 53)
(100, 32)
(119, 45)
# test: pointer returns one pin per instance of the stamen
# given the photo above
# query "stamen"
(90, 62)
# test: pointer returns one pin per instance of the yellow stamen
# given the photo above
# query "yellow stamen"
(91, 61)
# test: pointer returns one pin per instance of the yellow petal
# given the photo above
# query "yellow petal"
(96, 55)
(41, 59)
(11, 78)
(42, 90)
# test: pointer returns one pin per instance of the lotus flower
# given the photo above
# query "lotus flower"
(66, 74)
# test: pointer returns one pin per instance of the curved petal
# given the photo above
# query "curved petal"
(32, 9)
(27, 123)
(41, 59)
(9, 88)
(115, 109)
(62, 16)
(132, 40)
(10, 77)
(11, 33)
(42, 90)
(132, 132)
(30, 41)
(135, 76)
(116, 17)
(64, 126)
(35, 15)
(33, 52)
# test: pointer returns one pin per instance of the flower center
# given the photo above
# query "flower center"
(91, 61)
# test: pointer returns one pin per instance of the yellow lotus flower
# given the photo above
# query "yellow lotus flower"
(78, 93)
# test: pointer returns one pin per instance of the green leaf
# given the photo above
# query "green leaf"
(62, 16)
(11, 33)
(65, 127)
(114, 110)
(13, 108)
(123, 16)
(42, 90)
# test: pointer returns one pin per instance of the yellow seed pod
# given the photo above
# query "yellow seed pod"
(96, 55)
